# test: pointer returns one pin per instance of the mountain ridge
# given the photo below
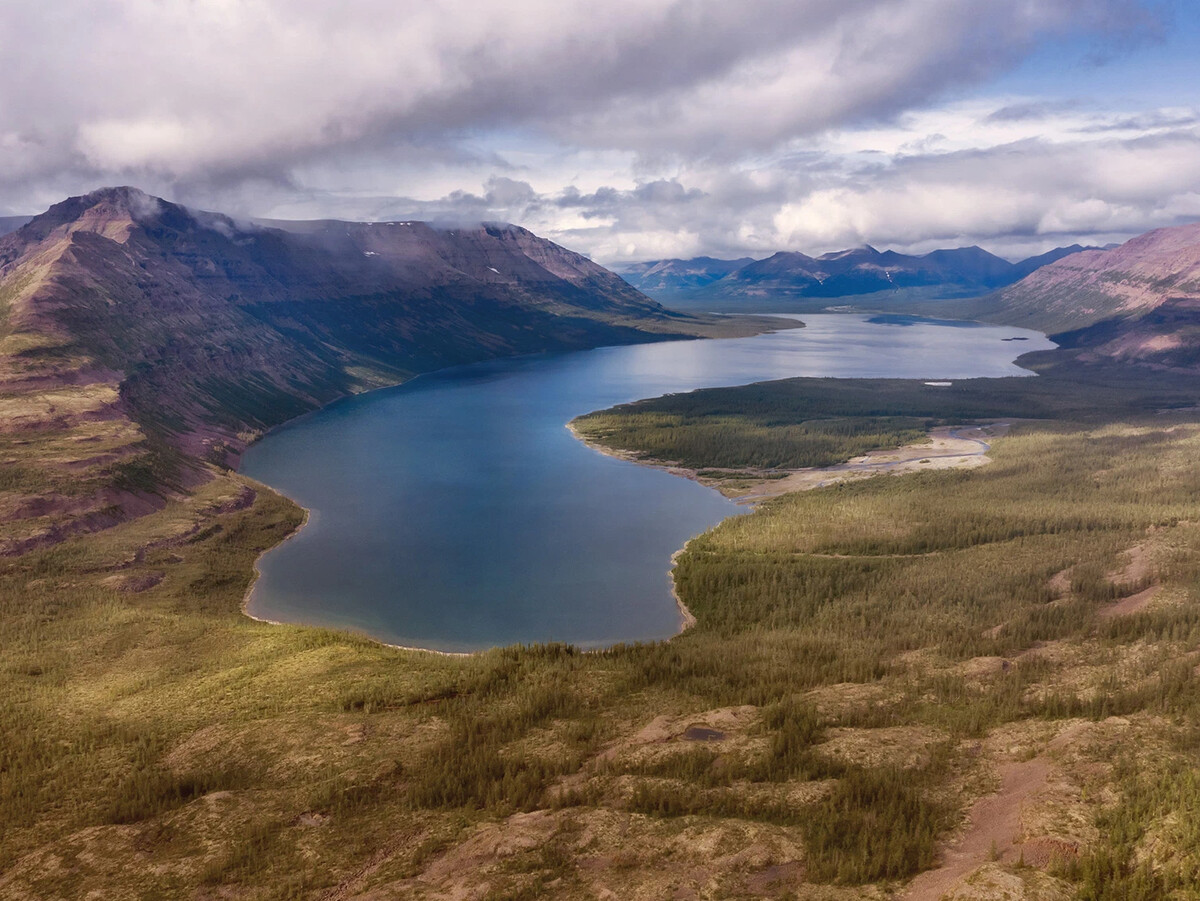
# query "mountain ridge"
(141, 342)
(1139, 301)
(950, 272)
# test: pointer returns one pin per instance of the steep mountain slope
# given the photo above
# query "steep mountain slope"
(1086, 288)
(137, 337)
(1138, 301)
(664, 279)
(1031, 264)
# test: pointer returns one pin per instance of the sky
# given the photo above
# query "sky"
(627, 130)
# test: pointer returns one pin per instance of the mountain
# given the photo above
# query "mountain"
(1139, 301)
(1030, 264)
(662, 279)
(138, 337)
(790, 275)
(12, 223)
(865, 270)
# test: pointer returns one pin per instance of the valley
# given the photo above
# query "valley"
(143, 343)
(983, 675)
(886, 648)
(547, 451)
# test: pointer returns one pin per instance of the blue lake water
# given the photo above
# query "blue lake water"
(456, 512)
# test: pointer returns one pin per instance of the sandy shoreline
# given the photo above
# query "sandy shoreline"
(258, 572)
(687, 617)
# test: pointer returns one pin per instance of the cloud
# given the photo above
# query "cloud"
(204, 95)
(632, 129)
(1016, 198)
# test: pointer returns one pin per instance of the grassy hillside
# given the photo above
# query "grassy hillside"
(868, 661)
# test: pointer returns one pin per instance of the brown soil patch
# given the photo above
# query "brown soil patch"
(1060, 583)
(613, 855)
(903, 746)
(949, 447)
(993, 882)
(983, 667)
(774, 880)
(1046, 850)
(712, 725)
(1131, 604)
(133, 583)
(994, 825)
(1137, 569)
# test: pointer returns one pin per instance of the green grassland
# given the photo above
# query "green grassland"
(870, 654)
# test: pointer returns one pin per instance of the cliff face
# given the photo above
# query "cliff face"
(138, 337)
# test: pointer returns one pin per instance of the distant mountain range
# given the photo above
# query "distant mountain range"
(663, 279)
(788, 275)
(1138, 301)
(148, 337)
(12, 223)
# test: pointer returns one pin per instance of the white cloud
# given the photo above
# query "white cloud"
(214, 88)
(633, 128)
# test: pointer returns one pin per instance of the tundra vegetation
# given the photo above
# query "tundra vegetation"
(868, 658)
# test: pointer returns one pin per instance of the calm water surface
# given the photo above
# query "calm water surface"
(456, 512)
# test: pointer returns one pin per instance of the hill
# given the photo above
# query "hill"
(138, 337)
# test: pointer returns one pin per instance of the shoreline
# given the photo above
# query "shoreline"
(245, 608)
(885, 461)
(893, 461)
(688, 620)
(889, 461)
(948, 447)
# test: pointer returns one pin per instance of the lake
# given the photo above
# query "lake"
(456, 512)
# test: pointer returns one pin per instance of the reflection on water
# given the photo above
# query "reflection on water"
(456, 512)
